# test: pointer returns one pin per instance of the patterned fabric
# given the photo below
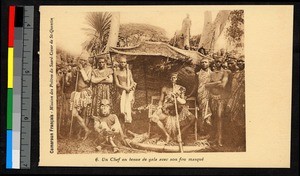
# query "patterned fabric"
(102, 90)
(203, 94)
(178, 90)
(169, 102)
(185, 116)
(148, 48)
(102, 73)
(170, 124)
(236, 102)
(81, 99)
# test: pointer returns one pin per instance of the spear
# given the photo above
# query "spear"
(177, 123)
(62, 104)
(72, 117)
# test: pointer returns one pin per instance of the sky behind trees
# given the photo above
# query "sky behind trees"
(69, 23)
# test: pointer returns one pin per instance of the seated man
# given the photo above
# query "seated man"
(166, 112)
(108, 125)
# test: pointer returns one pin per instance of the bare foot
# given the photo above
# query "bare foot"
(220, 143)
(168, 139)
(86, 134)
(115, 149)
(99, 148)
(180, 142)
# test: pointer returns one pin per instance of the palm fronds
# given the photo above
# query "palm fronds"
(97, 32)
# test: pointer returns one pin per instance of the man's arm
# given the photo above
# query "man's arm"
(221, 83)
(109, 79)
(224, 80)
(132, 83)
(212, 84)
(117, 124)
(96, 79)
(162, 97)
(181, 100)
(97, 126)
(86, 75)
(104, 79)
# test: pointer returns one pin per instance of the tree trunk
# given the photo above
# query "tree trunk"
(113, 32)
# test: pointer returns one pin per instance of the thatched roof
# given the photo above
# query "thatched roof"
(158, 49)
(152, 63)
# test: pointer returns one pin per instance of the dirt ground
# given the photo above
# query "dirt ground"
(73, 145)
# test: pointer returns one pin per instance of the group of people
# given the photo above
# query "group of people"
(105, 95)
(221, 98)
(220, 93)
(98, 88)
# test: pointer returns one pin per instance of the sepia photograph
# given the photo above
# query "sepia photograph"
(137, 85)
(159, 86)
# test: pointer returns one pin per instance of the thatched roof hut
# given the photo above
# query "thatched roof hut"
(152, 63)
(158, 49)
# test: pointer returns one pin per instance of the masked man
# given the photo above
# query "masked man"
(108, 125)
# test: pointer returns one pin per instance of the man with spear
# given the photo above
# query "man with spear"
(81, 98)
(172, 111)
